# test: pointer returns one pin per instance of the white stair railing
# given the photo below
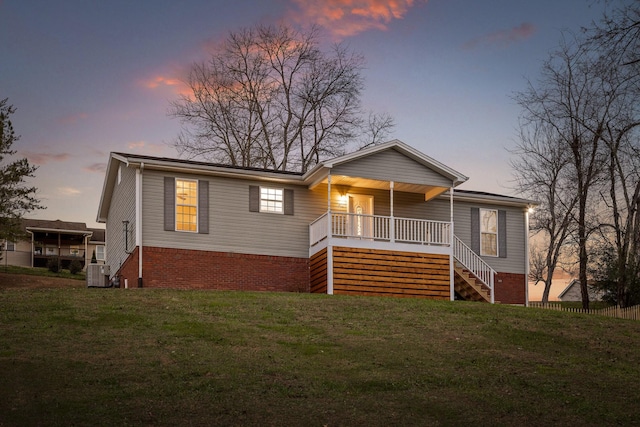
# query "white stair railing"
(476, 265)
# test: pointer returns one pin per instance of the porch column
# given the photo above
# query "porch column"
(526, 257)
(452, 246)
(392, 221)
(329, 234)
(329, 228)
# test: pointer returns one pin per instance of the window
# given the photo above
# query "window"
(271, 200)
(488, 232)
(10, 246)
(186, 205)
(275, 200)
(51, 251)
(100, 253)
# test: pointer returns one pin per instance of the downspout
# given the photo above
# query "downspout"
(526, 257)
(139, 220)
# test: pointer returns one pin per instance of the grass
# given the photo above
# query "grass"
(159, 357)
(38, 271)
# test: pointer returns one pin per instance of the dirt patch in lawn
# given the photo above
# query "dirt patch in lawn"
(26, 281)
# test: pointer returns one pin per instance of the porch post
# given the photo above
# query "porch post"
(329, 228)
(451, 246)
(392, 221)
(329, 235)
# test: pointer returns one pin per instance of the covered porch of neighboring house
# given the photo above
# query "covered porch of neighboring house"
(354, 251)
(65, 246)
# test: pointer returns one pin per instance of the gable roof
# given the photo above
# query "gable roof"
(321, 170)
(491, 198)
(58, 226)
(183, 166)
(311, 178)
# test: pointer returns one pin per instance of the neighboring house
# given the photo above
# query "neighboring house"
(384, 220)
(47, 239)
(573, 293)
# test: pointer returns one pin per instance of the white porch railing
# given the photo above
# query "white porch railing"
(472, 262)
(380, 228)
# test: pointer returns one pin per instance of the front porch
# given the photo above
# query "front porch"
(354, 254)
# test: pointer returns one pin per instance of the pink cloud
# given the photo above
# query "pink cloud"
(72, 119)
(349, 17)
(42, 158)
(163, 82)
(147, 147)
(96, 167)
(503, 38)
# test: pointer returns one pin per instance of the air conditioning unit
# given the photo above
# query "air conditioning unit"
(98, 276)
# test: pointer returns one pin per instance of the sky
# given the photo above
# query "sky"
(89, 77)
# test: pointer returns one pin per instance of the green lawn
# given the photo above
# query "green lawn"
(42, 272)
(158, 357)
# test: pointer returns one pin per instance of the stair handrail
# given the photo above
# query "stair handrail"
(476, 265)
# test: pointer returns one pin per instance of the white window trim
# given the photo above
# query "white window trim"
(281, 212)
(175, 208)
(98, 257)
(497, 254)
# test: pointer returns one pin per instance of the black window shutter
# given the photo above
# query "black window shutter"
(475, 230)
(254, 198)
(203, 207)
(288, 202)
(502, 234)
(169, 203)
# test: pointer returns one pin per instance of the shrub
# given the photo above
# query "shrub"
(94, 260)
(53, 264)
(75, 267)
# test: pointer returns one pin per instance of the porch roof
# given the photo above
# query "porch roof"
(56, 226)
(320, 173)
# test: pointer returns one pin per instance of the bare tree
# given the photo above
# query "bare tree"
(574, 101)
(617, 40)
(587, 100)
(377, 129)
(542, 172)
(269, 97)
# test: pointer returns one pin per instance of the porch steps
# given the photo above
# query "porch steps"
(468, 286)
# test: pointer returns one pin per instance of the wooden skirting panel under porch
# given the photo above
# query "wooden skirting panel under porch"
(359, 271)
(318, 272)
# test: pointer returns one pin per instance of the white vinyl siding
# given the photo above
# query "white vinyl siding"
(514, 262)
(122, 208)
(233, 227)
(390, 165)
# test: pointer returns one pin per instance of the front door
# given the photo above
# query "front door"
(361, 222)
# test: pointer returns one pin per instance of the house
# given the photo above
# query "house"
(573, 292)
(65, 240)
(385, 220)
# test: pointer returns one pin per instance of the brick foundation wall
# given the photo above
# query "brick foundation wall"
(510, 288)
(129, 270)
(189, 269)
